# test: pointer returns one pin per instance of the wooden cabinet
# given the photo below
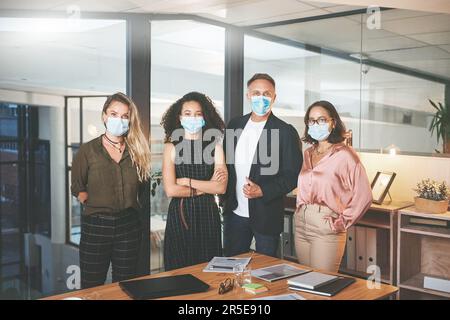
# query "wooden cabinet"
(287, 245)
(423, 250)
(374, 242)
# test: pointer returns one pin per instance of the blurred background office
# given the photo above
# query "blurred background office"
(59, 60)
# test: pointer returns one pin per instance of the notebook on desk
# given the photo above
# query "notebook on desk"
(312, 280)
(329, 289)
(163, 287)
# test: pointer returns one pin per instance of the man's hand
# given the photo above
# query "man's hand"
(83, 197)
(252, 190)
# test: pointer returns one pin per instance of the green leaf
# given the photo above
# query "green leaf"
(433, 104)
(441, 121)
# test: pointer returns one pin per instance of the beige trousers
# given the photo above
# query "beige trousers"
(316, 244)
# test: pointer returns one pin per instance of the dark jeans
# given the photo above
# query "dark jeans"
(238, 235)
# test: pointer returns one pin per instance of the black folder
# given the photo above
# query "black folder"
(163, 287)
(329, 289)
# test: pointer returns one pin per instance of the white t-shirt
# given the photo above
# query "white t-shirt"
(244, 154)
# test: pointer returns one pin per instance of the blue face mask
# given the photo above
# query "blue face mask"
(319, 132)
(117, 126)
(192, 124)
(260, 105)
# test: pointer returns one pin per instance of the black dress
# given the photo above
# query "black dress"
(193, 229)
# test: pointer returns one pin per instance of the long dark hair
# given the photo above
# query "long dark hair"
(337, 134)
(171, 118)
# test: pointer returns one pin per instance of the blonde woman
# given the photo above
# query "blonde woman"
(106, 175)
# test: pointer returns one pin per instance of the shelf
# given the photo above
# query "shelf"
(412, 211)
(425, 230)
(371, 221)
(416, 283)
(391, 206)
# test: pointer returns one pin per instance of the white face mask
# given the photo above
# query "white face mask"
(260, 104)
(117, 126)
(319, 132)
(192, 124)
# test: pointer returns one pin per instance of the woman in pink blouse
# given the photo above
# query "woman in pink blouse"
(333, 190)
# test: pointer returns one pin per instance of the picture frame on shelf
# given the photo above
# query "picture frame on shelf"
(381, 184)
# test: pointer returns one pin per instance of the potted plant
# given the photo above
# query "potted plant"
(432, 196)
(441, 123)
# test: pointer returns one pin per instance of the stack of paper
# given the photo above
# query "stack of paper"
(225, 264)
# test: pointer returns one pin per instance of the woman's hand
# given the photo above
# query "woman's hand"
(219, 175)
(336, 224)
(83, 197)
(183, 182)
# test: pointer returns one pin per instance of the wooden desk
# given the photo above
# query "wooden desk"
(356, 291)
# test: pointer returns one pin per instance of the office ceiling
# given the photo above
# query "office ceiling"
(239, 12)
(410, 39)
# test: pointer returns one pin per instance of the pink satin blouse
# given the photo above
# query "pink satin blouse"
(338, 181)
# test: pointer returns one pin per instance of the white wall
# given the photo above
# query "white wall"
(409, 170)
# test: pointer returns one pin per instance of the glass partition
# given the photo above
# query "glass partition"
(379, 69)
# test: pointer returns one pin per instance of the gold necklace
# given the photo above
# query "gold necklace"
(316, 149)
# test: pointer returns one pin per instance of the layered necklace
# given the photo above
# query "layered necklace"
(116, 145)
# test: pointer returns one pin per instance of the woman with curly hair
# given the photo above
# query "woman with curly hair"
(193, 171)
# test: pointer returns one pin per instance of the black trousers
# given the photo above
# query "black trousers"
(109, 239)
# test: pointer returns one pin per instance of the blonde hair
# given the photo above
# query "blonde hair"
(138, 145)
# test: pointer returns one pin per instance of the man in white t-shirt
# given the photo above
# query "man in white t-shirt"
(264, 158)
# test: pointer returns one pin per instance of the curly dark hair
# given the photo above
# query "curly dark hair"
(171, 118)
(337, 134)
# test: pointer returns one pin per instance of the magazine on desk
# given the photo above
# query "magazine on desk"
(225, 264)
(288, 296)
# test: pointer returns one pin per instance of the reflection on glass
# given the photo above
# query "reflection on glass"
(380, 77)
(303, 77)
